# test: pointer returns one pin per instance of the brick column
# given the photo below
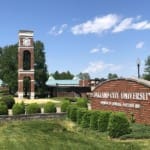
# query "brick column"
(20, 89)
(32, 90)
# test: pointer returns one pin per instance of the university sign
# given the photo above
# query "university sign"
(122, 95)
(125, 95)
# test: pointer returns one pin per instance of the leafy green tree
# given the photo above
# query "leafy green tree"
(56, 75)
(84, 76)
(41, 74)
(146, 75)
(63, 75)
(9, 66)
(112, 76)
(100, 79)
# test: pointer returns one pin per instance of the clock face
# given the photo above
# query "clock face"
(26, 42)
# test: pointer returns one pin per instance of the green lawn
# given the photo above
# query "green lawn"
(59, 135)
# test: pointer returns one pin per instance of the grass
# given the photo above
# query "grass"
(59, 135)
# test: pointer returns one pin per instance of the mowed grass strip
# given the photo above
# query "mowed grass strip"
(57, 134)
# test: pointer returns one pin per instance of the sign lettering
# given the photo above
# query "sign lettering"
(122, 95)
(129, 105)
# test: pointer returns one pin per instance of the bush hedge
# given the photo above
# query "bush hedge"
(64, 105)
(70, 99)
(49, 108)
(8, 100)
(94, 119)
(118, 125)
(82, 102)
(68, 111)
(3, 109)
(18, 109)
(33, 108)
(73, 113)
(85, 123)
(80, 113)
(103, 120)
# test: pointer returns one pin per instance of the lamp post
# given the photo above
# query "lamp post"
(138, 62)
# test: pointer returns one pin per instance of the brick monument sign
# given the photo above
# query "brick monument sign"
(131, 96)
(25, 62)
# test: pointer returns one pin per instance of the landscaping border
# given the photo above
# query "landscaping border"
(32, 116)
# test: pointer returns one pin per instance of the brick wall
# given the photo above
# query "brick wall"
(123, 95)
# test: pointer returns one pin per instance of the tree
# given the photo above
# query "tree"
(9, 67)
(84, 76)
(112, 76)
(146, 75)
(63, 75)
(41, 73)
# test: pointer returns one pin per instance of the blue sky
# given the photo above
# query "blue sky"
(94, 36)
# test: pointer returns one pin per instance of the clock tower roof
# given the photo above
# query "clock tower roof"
(26, 33)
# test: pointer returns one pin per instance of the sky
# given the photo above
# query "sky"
(93, 36)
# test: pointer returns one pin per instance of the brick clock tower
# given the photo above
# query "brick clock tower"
(26, 64)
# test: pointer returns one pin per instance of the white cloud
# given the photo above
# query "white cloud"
(131, 23)
(100, 66)
(124, 25)
(94, 50)
(57, 30)
(110, 22)
(141, 25)
(140, 45)
(105, 50)
(102, 50)
(97, 26)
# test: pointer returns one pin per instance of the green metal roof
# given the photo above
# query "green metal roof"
(52, 82)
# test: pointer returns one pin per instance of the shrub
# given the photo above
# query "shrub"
(33, 108)
(80, 113)
(70, 99)
(118, 125)
(64, 105)
(18, 109)
(85, 123)
(3, 109)
(68, 111)
(103, 120)
(82, 102)
(94, 120)
(72, 112)
(8, 100)
(49, 108)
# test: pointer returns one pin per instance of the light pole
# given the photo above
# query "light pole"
(138, 62)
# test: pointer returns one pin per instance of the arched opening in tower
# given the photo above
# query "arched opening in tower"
(26, 87)
(26, 60)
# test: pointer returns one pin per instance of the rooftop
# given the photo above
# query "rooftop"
(53, 82)
(26, 33)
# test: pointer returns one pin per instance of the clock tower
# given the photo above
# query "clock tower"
(26, 64)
